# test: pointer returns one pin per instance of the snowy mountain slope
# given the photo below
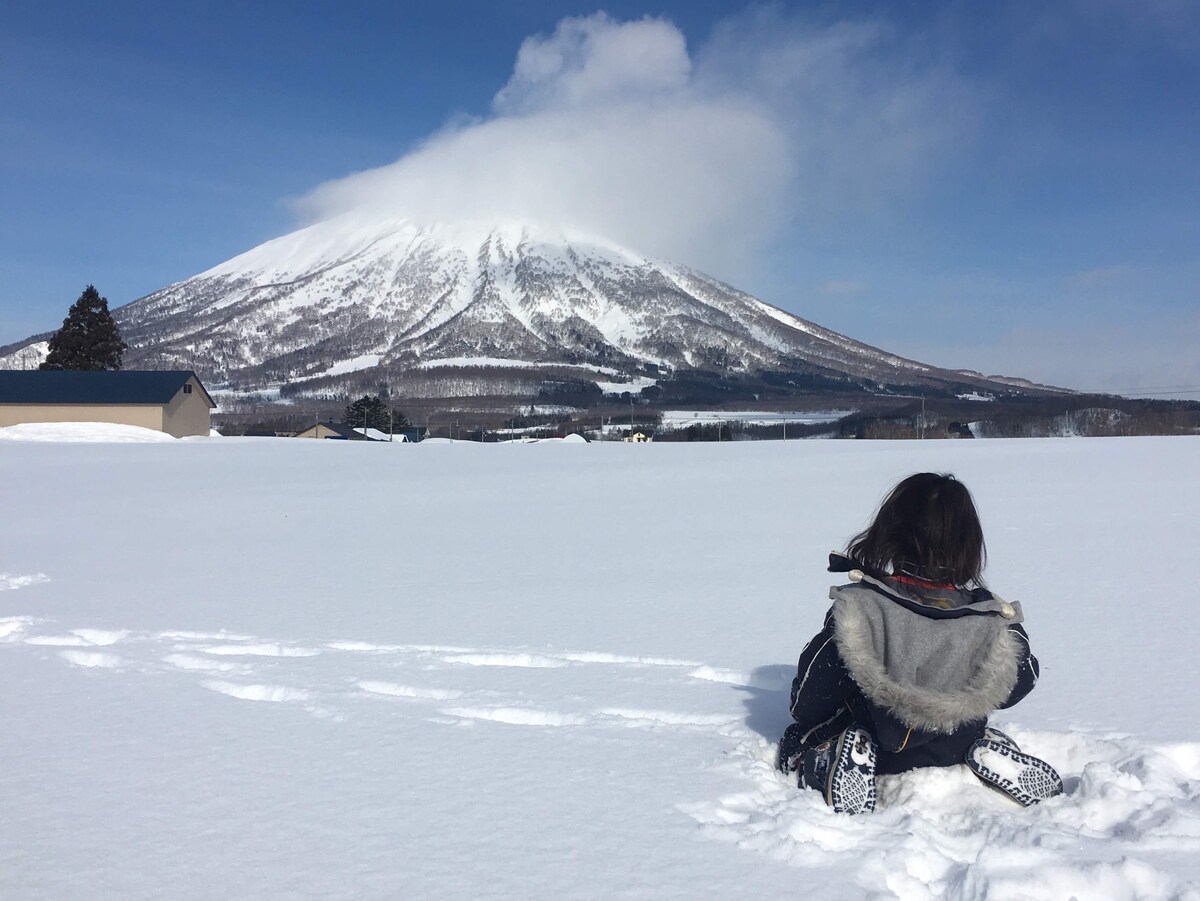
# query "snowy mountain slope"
(303, 305)
(240, 685)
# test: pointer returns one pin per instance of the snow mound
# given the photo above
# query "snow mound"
(939, 833)
(11, 581)
(81, 432)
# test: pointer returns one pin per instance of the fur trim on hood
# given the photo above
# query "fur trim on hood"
(933, 670)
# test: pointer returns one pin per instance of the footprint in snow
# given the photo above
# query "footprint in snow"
(517, 716)
(391, 689)
(101, 637)
(528, 661)
(58, 641)
(256, 650)
(272, 693)
(649, 719)
(213, 654)
(201, 664)
(203, 636)
(363, 647)
(13, 581)
(92, 659)
(11, 627)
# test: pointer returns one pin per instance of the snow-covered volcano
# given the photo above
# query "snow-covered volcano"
(379, 301)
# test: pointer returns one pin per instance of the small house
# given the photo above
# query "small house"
(336, 431)
(171, 401)
(339, 431)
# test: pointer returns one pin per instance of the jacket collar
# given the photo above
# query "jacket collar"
(926, 584)
(929, 604)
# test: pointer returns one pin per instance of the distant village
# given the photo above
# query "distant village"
(178, 404)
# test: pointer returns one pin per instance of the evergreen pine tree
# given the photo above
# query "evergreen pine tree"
(372, 412)
(89, 338)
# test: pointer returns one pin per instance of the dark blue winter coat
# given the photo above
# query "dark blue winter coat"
(920, 665)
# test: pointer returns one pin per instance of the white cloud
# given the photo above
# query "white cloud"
(870, 111)
(594, 60)
(614, 128)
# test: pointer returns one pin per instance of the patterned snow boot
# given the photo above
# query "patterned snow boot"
(1001, 765)
(843, 770)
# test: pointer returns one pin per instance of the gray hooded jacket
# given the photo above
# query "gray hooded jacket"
(934, 663)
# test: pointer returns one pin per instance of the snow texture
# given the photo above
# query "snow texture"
(248, 669)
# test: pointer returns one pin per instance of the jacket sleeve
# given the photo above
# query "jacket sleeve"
(821, 685)
(1027, 670)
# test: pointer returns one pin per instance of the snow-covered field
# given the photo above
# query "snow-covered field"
(250, 668)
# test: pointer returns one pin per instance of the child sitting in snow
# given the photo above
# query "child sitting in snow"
(914, 656)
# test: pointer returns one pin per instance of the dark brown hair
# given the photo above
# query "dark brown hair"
(926, 527)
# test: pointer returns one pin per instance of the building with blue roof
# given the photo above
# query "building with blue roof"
(171, 401)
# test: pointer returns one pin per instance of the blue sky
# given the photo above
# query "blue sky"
(1008, 187)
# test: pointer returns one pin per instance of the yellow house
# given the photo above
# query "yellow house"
(171, 401)
(340, 431)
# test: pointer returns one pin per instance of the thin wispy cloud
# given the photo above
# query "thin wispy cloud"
(702, 155)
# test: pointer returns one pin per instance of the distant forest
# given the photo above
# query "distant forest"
(556, 404)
